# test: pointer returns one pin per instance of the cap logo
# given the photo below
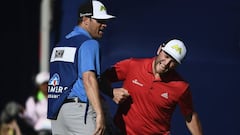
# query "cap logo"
(177, 48)
(102, 8)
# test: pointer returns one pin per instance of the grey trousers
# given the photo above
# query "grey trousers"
(70, 120)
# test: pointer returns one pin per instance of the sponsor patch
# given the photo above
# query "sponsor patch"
(66, 54)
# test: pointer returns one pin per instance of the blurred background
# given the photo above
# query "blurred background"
(210, 30)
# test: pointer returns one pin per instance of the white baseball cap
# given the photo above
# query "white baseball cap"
(96, 10)
(176, 49)
(42, 77)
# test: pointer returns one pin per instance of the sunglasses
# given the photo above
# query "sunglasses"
(101, 21)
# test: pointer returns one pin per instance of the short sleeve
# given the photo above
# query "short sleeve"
(122, 68)
(185, 103)
(89, 57)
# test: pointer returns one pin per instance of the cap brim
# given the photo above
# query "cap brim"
(103, 17)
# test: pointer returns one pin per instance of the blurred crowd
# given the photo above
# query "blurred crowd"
(31, 118)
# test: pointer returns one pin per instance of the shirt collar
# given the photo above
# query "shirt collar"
(165, 77)
(149, 65)
(77, 31)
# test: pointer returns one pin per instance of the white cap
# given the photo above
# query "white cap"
(100, 11)
(176, 49)
(97, 10)
(42, 77)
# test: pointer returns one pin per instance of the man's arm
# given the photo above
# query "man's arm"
(193, 124)
(117, 94)
(91, 87)
(105, 80)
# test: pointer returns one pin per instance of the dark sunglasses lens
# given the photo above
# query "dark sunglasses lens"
(101, 21)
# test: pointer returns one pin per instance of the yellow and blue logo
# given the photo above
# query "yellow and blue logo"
(102, 8)
(177, 49)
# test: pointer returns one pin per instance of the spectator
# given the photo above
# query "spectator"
(35, 112)
(9, 119)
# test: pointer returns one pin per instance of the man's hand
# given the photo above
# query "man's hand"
(100, 125)
(120, 95)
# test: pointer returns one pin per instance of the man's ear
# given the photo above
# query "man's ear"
(159, 49)
(85, 20)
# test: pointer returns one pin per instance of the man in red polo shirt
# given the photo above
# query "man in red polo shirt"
(155, 90)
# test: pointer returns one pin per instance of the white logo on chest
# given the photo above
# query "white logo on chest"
(165, 95)
(135, 81)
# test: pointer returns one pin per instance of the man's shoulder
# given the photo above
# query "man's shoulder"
(141, 60)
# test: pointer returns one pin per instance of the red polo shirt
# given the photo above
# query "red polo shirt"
(152, 102)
